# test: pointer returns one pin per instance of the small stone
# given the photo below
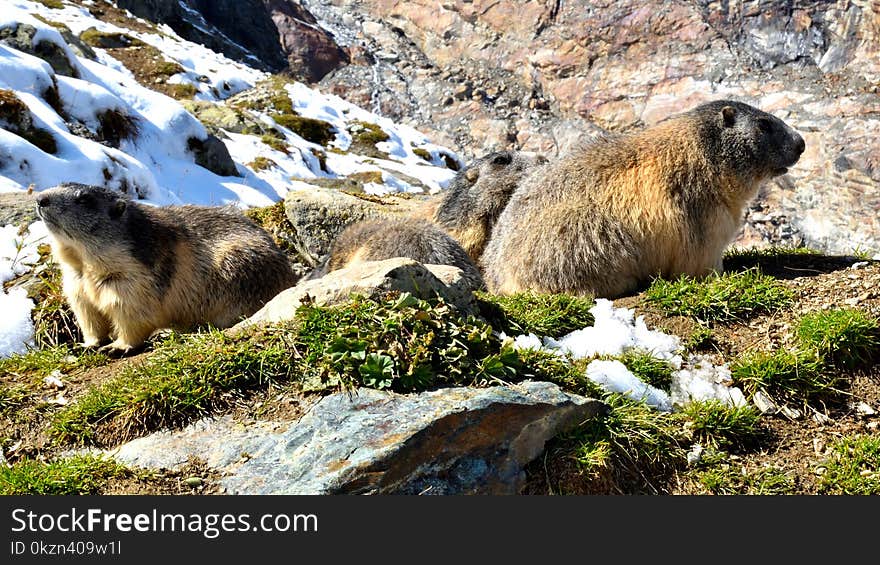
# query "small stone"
(872, 425)
(792, 413)
(859, 265)
(820, 418)
(864, 409)
(866, 473)
(193, 482)
(851, 301)
(695, 454)
(764, 404)
(54, 379)
(818, 445)
(821, 471)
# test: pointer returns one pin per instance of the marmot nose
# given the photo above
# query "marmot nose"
(800, 145)
(42, 201)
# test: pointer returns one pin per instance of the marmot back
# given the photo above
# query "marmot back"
(377, 240)
(665, 201)
(477, 195)
(129, 269)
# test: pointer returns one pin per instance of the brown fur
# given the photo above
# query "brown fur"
(665, 201)
(130, 269)
(376, 240)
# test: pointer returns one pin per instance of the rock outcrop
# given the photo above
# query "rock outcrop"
(240, 29)
(373, 279)
(449, 441)
(536, 75)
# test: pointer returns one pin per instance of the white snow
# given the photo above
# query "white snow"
(17, 255)
(617, 331)
(615, 377)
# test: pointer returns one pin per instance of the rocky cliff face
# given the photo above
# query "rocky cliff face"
(538, 75)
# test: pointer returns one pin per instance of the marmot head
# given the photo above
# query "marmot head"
(753, 144)
(90, 216)
(486, 185)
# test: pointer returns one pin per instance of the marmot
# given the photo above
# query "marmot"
(129, 269)
(477, 195)
(467, 211)
(418, 239)
(665, 201)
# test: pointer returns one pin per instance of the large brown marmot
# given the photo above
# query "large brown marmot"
(477, 195)
(129, 269)
(418, 239)
(612, 214)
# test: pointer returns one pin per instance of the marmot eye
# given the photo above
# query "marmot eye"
(765, 125)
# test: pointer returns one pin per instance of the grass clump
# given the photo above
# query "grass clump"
(726, 479)
(41, 362)
(720, 426)
(786, 375)
(845, 337)
(649, 369)
(11, 397)
(423, 153)
(182, 90)
(83, 474)
(312, 130)
(364, 137)
(261, 163)
(701, 338)
(54, 4)
(275, 143)
(542, 314)
(108, 40)
(854, 467)
(571, 375)
(720, 298)
(633, 445)
(116, 125)
(185, 378)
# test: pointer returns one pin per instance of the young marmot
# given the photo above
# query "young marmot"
(129, 269)
(477, 195)
(376, 240)
(468, 210)
(664, 201)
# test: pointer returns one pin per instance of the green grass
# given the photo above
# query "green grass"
(54, 4)
(715, 424)
(701, 338)
(261, 163)
(571, 375)
(275, 143)
(854, 467)
(796, 376)
(845, 337)
(185, 378)
(729, 479)
(655, 372)
(75, 475)
(400, 343)
(314, 131)
(423, 153)
(542, 314)
(41, 362)
(755, 253)
(720, 298)
(108, 40)
(12, 396)
(182, 90)
(632, 444)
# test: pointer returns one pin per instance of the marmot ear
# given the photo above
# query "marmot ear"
(728, 113)
(472, 174)
(117, 208)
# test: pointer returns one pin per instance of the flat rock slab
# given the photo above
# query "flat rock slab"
(451, 441)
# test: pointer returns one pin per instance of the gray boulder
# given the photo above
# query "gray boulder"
(449, 441)
(212, 154)
(372, 279)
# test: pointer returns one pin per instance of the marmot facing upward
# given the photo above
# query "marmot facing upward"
(478, 194)
(129, 269)
(376, 240)
(664, 201)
